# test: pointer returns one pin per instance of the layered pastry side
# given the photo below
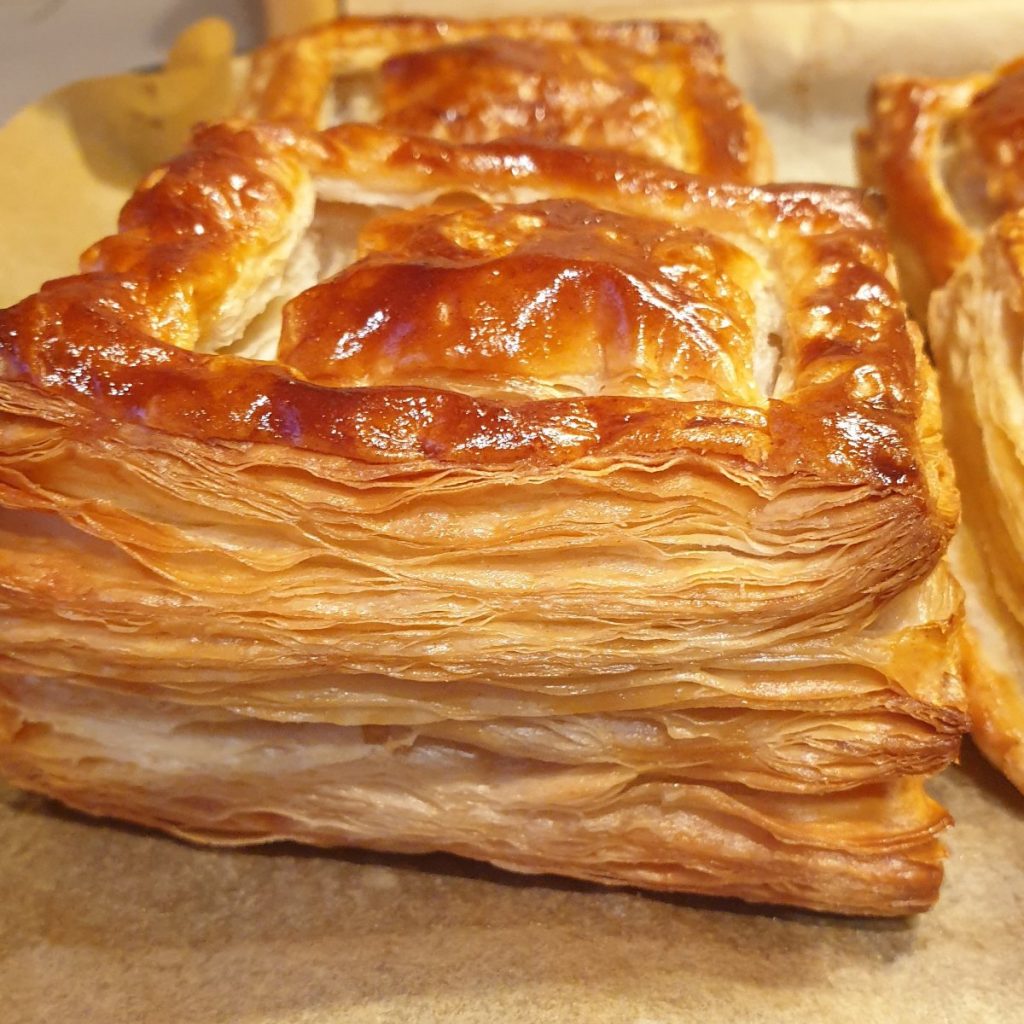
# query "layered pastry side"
(544, 506)
(654, 89)
(976, 324)
(949, 157)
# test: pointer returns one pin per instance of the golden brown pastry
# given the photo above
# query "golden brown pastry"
(977, 330)
(948, 154)
(541, 505)
(656, 89)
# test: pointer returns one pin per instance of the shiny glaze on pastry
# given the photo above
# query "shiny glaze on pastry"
(847, 371)
(977, 330)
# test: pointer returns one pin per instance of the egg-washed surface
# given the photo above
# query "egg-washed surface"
(647, 590)
(656, 89)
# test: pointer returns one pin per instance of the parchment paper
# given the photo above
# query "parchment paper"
(68, 162)
(100, 922)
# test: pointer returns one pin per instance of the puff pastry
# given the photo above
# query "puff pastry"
(977, 329)
(948, 154)
(542, 505)
(657, 89)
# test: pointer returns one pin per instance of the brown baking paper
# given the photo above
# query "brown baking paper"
(68, 162)
(100, 922)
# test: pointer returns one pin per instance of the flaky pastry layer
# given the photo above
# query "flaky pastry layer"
(220, 778)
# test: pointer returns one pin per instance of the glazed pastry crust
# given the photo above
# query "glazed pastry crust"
(946, 154)
(205, 231)
(656, 89)
(647, 590)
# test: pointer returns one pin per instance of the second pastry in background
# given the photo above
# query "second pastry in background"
(654, 89)
(948, 154)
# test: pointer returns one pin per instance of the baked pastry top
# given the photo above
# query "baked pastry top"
(657, 89)
(511, 306)
(948, 156)
(544, 505)
(758, 322)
